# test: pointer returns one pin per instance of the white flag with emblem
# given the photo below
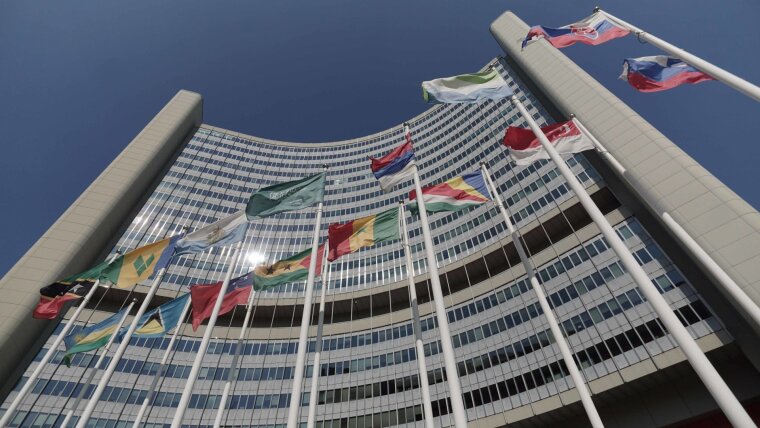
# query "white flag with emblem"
(224, 232)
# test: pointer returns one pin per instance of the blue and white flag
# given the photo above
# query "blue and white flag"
(226, 231)
(396, 166)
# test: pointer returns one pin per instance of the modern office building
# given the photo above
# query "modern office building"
(181, 172)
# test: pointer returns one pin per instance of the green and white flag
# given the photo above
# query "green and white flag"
(467, 88)
(290, 196)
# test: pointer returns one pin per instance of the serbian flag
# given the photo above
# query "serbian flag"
(525, 148)
(453, 195)
(594, 30)
(396, 166)
(348, 237)
(204, 297)
(659, 72)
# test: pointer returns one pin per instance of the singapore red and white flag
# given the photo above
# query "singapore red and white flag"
(525, 148)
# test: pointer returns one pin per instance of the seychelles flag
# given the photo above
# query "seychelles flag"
(659, 72)
(453, 195)
(594, 30)
(348, 237)
(204, 296)
(396, 166)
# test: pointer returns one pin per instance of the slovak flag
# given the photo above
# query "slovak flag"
(594, 30)
(659, 72)
(525, 148)
(396, 166)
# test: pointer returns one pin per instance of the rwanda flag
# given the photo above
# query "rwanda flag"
(294, 268)
(163, 319)
(364, 232)
(140, 264)
(453, 195)
(92, 337)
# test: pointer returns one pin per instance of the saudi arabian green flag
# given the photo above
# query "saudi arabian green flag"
(92, 337)
(290, 196)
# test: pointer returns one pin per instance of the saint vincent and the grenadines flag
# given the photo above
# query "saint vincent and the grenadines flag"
(139, 264)
(453, 195)
(348, 237)
(92, 337)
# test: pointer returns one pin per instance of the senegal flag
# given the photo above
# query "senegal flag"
(453, 195)
(294, 268)
(290, 196)
(92, 337)
(364, 232)
(140, 264)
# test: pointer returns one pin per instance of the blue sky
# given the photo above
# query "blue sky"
(79, 79)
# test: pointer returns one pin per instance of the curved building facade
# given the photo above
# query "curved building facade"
(509, 366)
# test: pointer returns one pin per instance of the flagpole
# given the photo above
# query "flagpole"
(232, 373)
(92, 401)
(5, 420)
(295, 395)
(729, 285)
(702, 366)
(187, 392)
(730, 79)
(161, 368)
(95, 369)
(318, 350)
(564, 347)
(421, 364)
(450, 362)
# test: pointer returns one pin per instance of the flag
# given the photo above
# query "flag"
(396, 166)
(290, 196)
(140, 264)
(92, 337)
(163, 319)
(453, 195)
(466, 88)
(226, 231)
(660, 72)
(349, 237)
(294, 268)
(204, 297)
(54, 296)
(525, 148)
(594, 30)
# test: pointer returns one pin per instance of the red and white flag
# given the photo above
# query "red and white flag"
(525, 148)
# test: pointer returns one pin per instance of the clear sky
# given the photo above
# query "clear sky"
(79, 79)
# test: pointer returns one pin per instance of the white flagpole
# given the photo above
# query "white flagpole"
(311, 420)
(5, 420)
(161, 368)
(187, 392)
(421, 364)
(702, 366)
(564, 347)
(95, 369)
(449, 360)
(93, 401)
(295, 395)
(730, 79)
(232, 373)
(728, 284)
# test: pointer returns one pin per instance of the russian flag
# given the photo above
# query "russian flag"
(659, 73)
(396, 166)
(594, 30)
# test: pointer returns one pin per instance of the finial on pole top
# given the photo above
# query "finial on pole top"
(597, 9)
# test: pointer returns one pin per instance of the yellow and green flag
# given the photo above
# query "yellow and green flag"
(139, 264)
(92, 337)
(363, 232)
(294, 268)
